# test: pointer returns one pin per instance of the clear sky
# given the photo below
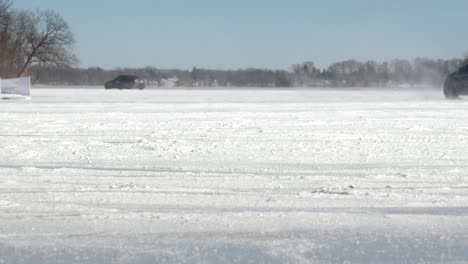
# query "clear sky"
(231, 34)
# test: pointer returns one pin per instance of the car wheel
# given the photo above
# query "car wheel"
(449, 90)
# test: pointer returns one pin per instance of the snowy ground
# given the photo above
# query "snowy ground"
(263, 176)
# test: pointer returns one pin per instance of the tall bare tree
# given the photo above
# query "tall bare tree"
(6, 21)
(5, 12)
(49, 41)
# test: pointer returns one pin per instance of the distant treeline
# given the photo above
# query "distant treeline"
(350, 73)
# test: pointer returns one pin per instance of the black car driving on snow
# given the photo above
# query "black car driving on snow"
(126, 82)
(456, 83)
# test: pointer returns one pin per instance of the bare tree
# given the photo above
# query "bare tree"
(49, 40)
(5, 12)
(6, 20)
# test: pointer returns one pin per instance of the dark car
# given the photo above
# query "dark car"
(126, 82)
(456, 83)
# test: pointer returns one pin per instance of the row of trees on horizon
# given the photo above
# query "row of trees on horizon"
(350, 73)
(40, 44)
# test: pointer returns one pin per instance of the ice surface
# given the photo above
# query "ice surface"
(233, 176)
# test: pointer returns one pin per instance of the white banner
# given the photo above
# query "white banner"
(18, 86)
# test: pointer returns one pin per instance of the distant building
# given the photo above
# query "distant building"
(171, 82)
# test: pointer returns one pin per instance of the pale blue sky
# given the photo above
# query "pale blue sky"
(232, 34)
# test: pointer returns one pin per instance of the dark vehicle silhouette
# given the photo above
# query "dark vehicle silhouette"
(456, 83)
(126, 82)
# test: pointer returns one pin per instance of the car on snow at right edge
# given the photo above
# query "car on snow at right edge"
(456, 83)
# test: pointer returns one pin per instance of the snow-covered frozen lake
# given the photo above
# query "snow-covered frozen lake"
(233, 176)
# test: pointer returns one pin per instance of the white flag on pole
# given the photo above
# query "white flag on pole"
(18, 86)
